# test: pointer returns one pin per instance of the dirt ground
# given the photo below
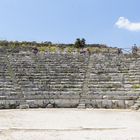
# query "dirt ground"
(69, 124)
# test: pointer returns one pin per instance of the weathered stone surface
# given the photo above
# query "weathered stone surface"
(81, 106)
(93, 103)
(35, 103)
(106, 104)
(118, 97)
(99, 80)
(89, 106)
(51, 101)
(46, 102)
(66, 103)
(99, 103)
(24, 106)
(9, 104)
(114, 104)
(90, 96)
(121, 104)
(129, 103)
(50, 105)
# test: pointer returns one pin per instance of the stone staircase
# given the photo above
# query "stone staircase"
(85, 88)
(81, 105)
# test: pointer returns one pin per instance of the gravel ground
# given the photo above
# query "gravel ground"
(69, 124)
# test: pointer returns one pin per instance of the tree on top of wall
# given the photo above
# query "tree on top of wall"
(80, 43)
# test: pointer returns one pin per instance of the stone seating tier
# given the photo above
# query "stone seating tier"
(69, 80)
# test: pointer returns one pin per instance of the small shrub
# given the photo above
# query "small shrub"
(42, 49)
(70, 49)
(52, 49)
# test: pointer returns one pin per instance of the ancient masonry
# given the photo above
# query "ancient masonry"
(69, 80)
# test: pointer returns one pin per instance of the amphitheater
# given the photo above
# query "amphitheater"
(69, 94)
(69, 80)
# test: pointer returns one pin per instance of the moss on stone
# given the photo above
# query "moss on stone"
(136, 86)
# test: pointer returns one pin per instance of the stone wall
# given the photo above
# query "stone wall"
(45, 80)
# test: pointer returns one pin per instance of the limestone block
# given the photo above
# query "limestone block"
(109, 97)
(40, 103)
(89, 106)
(106, 104)
(24, 106)
(6, 104)
(12, 104)
(133, 93)
(114, 104)
(50, 106)
(99, 103)
(2, 104)
(121, 104)
(3, 97)
(46, 102)
(66, 103)
(38, 97)
(51, 101)
(129, 103)
(90, 96)
(69, 96)
(35, 103)
(93, 103)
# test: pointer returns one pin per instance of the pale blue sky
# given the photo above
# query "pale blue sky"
(62, 21)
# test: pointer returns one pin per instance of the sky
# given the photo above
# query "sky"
(115, 23)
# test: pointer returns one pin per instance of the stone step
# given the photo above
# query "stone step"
(81, 106)
(48, 90)
(28, 78)
(50, 83)
(3, 97)
(109, 85)
(105, 81)
(50, 74)
(132, 82)
(117, 92)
